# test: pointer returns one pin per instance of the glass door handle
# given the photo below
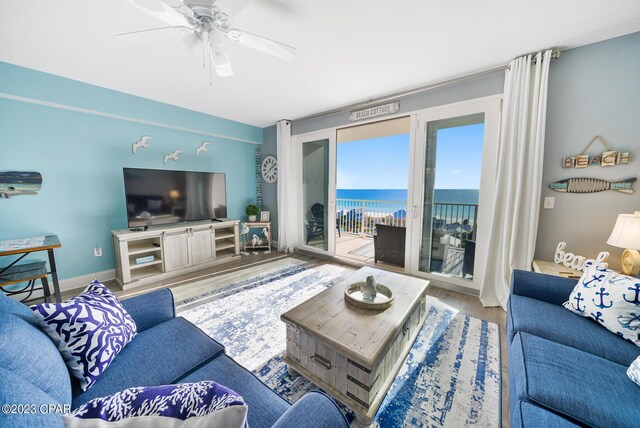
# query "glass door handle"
(416, 212)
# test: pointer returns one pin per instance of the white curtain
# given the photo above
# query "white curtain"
(287, 224)
(516, 205)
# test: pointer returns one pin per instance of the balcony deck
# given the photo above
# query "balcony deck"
(359, 249)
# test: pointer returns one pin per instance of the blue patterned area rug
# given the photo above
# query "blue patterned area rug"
(451, 377)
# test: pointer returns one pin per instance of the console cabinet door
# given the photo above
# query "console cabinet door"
(176, 251)
(201, 246)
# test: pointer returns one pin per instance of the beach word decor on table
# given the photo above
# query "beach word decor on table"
(576, 262)
(142, 143)
(202, 148)
(14, 183)
(592, 185)
(606, 158)
(173, 155)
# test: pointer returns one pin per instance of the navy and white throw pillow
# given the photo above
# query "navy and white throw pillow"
(89, 330)
(611, 299)
(634, 371)
(198, 404)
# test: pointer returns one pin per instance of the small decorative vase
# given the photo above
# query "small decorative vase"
(369, 290)
(252, 218)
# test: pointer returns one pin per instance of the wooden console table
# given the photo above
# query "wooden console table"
(265, 239)
(24, 247)
(354, 354)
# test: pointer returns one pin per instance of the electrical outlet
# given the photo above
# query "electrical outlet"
(549, 202)
(97, 251)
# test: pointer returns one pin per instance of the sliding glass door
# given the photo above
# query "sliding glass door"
(453, 165)
(317, 153)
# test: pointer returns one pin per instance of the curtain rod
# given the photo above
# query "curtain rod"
(429, 87)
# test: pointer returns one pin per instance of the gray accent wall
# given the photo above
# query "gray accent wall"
(593, 90)
(270, 190)
(476, 88)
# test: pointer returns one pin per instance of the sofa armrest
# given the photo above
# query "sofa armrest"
(151, 309)
(547, 288)
(315, 409)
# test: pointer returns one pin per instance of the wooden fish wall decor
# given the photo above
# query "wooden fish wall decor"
(13, 183)
(592, 185)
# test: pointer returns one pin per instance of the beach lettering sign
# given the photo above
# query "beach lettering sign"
(575, 262)
(606, 158)
(14, 183)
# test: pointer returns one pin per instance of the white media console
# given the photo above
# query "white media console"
(161, 252)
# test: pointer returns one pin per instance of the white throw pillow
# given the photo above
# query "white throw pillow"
(609, 298)
(634, 371)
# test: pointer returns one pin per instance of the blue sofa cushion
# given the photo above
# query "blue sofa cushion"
(555, 323)
(579, 386)
(29, 353)
(150, 309)
(158, 356)
(265, 406)
(527, 415)
(90, 329)
(204, 403)
(316, 406)
(14, 389)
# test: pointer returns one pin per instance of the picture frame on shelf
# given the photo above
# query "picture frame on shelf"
(264, 216)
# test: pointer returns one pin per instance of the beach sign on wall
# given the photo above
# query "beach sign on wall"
(606, 158)
(13, 183)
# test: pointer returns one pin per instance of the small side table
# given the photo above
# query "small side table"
(557, 269)
(253, 241)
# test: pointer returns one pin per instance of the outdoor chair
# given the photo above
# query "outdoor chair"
(389, 243)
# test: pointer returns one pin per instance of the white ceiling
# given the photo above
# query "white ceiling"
(348, 50)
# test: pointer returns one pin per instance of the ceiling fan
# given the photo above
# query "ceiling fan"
(205, 24)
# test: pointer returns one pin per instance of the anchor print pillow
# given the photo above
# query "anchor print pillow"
(89, 330)
(198, 404)
(609, 298)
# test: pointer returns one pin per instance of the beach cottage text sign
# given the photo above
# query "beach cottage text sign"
(572, 261)
(375, 111)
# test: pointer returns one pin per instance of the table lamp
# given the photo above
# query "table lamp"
(626, 234)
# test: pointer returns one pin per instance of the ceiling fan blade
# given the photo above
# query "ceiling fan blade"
(232, 7)
(170, 11)
(262, 44)
(152, 34)
(221, 63)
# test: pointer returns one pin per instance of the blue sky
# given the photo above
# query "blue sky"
(383, 163)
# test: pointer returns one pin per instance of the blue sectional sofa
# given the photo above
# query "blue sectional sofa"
(167, 350)
(564, 370)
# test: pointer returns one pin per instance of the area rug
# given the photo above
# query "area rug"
(450, 378)
(364, 251)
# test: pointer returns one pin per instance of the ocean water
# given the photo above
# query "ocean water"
(442, 196)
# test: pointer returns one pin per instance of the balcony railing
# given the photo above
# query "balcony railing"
(359, 216)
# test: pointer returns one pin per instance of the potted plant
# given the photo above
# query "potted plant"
(252, 211)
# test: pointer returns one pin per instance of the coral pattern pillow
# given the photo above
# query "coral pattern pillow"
(634, 371)
(198, 404)
(89, 330)
(609, 298)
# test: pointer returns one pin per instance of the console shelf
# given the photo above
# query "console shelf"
(176, 249)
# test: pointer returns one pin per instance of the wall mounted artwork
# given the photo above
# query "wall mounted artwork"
(174, 155)
(142, 143)
(606, 158)
(14, 183)
(592, 185)
(202, 148)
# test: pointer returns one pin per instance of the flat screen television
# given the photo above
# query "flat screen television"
(156, 196)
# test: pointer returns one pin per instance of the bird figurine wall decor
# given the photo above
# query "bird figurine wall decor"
(203, 148)
(142, 143)
(173, 155)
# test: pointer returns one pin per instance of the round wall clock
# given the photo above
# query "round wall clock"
(269, 169)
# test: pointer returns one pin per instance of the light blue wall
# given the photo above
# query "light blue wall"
(81, 157)
(593, 90)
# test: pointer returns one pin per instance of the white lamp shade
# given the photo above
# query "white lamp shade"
(626, 232)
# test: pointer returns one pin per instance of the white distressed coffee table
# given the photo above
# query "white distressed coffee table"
(354, 354)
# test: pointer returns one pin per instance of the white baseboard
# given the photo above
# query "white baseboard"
(83, 280)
